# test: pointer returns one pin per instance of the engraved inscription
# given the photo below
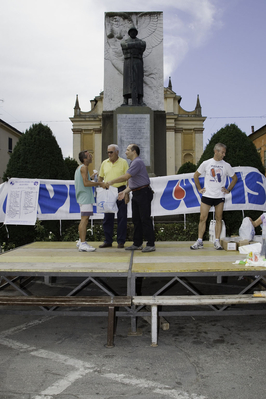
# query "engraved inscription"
(134, 129)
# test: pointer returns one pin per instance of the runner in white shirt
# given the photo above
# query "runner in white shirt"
(215, 171)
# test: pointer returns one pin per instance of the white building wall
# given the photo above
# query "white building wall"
(6, 132)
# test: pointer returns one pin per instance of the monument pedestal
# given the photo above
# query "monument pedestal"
(139, 125)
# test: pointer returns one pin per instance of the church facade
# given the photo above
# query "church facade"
(184, 131)
(259, 139)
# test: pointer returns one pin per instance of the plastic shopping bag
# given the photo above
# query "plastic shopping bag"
(246, 230)
(106, 200)
(246, 249)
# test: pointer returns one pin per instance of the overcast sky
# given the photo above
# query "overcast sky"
(52, 50)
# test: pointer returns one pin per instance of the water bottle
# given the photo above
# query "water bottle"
(263, 248)
(95, 175)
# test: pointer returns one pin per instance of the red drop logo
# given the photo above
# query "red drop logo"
(179, 192)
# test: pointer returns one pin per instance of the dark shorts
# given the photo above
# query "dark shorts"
(212, 201)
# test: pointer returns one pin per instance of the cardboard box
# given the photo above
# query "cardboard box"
(228, 244)
(233, 243)
(240, 243)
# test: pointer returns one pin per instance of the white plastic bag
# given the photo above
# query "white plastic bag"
(246, 230)
(246, 249)
(106, 200)
(212, 236)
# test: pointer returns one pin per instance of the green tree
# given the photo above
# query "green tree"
(240, 151)
(187, 167)
(37, 155)
(71, 165)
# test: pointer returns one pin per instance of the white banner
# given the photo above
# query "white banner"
(173, 195)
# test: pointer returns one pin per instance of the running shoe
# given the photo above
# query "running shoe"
(85, 247)
(197, 245)
(218, 246)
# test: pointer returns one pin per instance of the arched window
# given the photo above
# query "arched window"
(188, 158)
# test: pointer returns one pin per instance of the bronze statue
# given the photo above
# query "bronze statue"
(133, 49)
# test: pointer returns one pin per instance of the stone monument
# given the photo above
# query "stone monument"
(133, 49)
(133, 108)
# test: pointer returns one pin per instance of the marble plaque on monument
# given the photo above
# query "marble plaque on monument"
(135, 129)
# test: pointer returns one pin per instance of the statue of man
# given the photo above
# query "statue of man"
(133, 48)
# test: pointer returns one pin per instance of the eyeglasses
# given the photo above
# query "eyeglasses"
(110, 152)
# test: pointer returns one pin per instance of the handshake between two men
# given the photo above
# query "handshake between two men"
(115, 171)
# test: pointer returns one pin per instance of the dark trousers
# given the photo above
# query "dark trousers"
(108, 222)
(141, 216)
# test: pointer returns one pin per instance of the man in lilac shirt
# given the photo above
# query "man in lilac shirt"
(139, 184)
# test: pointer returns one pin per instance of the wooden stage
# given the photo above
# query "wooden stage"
(173, 269)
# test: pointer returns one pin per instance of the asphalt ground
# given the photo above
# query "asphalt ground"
(56, 357)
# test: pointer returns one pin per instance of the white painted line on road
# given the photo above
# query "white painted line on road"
(43, 397)
(134, 381)
(83, 368)
(10, 343)
(62, 359)
(178, 394)
(24, 326)
(61, 385)
(159, 388)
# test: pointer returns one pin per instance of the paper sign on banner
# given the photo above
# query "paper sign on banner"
(22, 201)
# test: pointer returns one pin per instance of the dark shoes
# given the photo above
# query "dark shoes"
(148, 249)
(105, 245)
(133, 247)
(145, 249)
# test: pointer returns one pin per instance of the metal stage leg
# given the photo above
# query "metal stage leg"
(133, 307)
(131, 291)
(111, 327)
(154, 325)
